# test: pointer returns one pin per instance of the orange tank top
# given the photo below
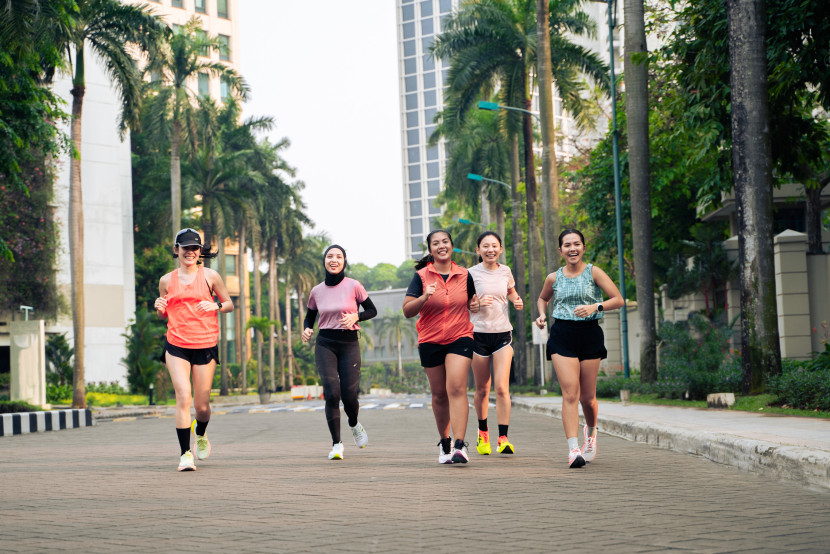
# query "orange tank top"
(187, 327)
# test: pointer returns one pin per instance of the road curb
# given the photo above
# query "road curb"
(806, 466)
(38, 422)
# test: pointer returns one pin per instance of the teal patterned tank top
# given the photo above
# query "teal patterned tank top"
(570, 292)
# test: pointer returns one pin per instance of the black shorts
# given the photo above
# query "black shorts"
(583, 340)
(489, 343)
(432, 355)
(196, 356)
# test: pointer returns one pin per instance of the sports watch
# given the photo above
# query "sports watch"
(599, 307)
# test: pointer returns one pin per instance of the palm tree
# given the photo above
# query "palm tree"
(395, 327)
(752, 167)
(177, 64)
(110, 30)
(492, 43)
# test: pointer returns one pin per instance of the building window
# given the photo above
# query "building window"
(408, 30)
(230, 264)
(412, 137)
(426, 8)
(430, 129)
(432, 153)
(414, 190)
(427, 28)
(222, 8)
(201, 35)
(411, 83)
(417, 246)
(224, 47)
(199, 6)
(429, 63)
(204, 85)
(413, 155)
(426, 43)
(409, 66)
(429, 80)
(429, 115)
(433, 187)
(415, 208)
(416, 226)
(224, 90)
(432, 170)
(445, 6)
(414, 172)
(408, 13)
(429, 98)
(412, 101)
(408, 48)
(411, 119)
(434, 209)
(177, 3)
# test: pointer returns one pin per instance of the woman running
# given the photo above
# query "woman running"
(576, 343)
(493, 336)
(337, 352)
(186, 299)
(444, 294)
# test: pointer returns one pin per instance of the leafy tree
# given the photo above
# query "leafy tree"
(395, 327)
(382, 276)
(58, 360)
(145, 340)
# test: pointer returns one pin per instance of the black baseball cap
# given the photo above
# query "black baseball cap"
(188, 237)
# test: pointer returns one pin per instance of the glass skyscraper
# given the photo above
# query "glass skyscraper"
(421, 79)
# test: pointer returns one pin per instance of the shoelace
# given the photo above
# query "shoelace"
(591, 442)
(201, 442)
(574, 453)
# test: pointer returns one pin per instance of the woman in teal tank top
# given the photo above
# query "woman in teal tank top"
(576, 343)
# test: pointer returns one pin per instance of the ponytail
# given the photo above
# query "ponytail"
(422, 263)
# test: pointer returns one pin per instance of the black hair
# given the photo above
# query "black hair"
(488, 234)
(202, 253)
(422, 263)
(568, 232)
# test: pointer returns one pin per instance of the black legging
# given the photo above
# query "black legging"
(338, 364)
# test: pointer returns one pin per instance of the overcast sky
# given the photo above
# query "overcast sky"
(327, 72)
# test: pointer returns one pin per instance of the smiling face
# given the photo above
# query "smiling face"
(189, 255)
(572, 248)
(335, 261)
(440, 246)
(489, 248)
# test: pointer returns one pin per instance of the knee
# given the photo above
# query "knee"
(570, 396)
(202, 411)
(481, 393)
(589, 399)
(457, 390)
(502, 392)
(183, 396)
(439, 396)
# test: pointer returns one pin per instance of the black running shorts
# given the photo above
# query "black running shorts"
(196, 356)
(432, 355)
(488, 343)
(583, 340)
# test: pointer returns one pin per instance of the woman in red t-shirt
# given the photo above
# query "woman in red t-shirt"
(444, 294)
(186, 299)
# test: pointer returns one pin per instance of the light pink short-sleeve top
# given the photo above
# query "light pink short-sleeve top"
(495, 317)
(332, 302)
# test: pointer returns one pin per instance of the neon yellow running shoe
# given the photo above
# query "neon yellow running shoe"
(202, 443)
(504, 446)
(483, 443)
(186, 462)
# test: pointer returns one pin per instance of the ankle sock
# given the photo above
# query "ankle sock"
(573, 442)
(482, 425)
(446, 444)
(503, 430)
(459, 444)
(201, 427)
(184, 438)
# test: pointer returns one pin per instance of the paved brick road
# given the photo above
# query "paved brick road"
(268, 487)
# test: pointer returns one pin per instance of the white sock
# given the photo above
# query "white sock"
(592, 431)
(573, 442)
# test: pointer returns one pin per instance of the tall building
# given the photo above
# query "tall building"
(421, 80)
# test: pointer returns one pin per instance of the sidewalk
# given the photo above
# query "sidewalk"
(786, 447)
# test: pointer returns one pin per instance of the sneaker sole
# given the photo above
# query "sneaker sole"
(186, 469)
(577, 463)
(507, 450)
(484, 453)
(459, 460)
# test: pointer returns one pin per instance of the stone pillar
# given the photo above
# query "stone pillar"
(612, 330)
(818, 268)
(792, 294)
(28, 361)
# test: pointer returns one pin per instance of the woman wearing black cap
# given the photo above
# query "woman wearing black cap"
(337, 352)
(186, 299)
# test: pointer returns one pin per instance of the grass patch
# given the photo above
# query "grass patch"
(761, 403)
(17, 407)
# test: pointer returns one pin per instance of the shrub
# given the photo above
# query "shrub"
(16, 407)
(113, 387)
(298, 380)
(5, 380)
(610, 387)
(145, 340)
(804, 384)
(310, 381)
(58, 394)
(59, 360)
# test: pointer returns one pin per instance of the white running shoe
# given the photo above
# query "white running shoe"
(444, 457)
(589, 447)
(186, 462)
(336, 452)
(361, 438)
(202, 443)
(575, 458)
(460, 455)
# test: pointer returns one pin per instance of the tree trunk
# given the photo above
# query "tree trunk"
(752, 167)
(261, 386)
(289, 347)
(500, 228)
(400, 356)
(550, 174)
(520, 325)
(636, 107)
(207, 226)
(485, 207)
(813, 217)
(275, 299)
(272, 310)
(176, 177)
(223, 324)
(76, 235)
(242, 273)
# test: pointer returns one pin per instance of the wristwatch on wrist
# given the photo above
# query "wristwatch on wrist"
(599, 307)
(218, 303)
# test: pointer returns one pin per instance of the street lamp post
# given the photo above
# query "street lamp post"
(492, 106)
(617, 191)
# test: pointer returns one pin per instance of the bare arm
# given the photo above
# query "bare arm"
(412, 305)
(220, 290)
(542, 302)
(161, 302)
(513, 296)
